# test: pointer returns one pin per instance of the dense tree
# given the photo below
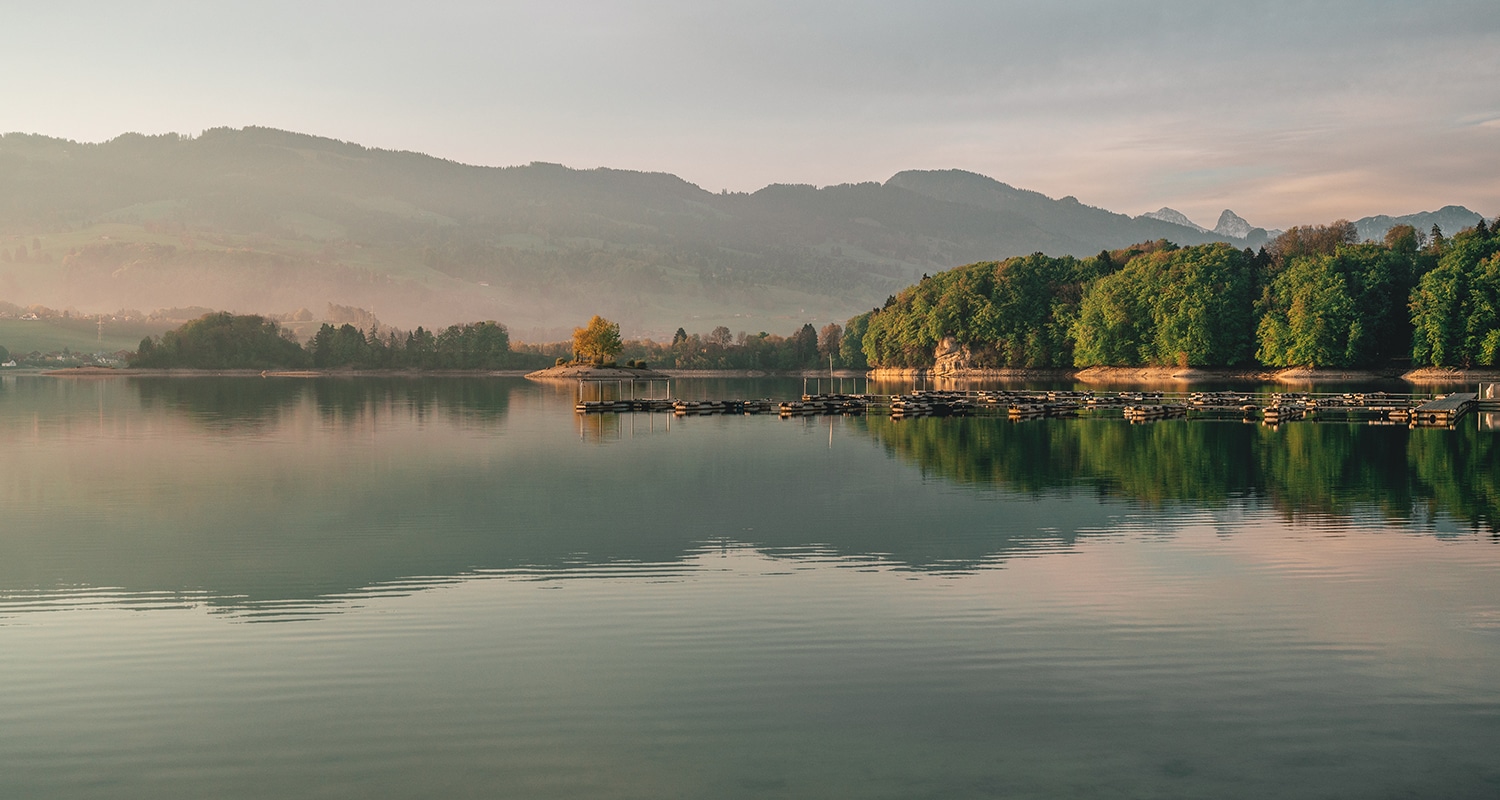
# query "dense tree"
(830, 339)
(1314, 297)
(1348, 308)
(421, 348)
(339, 347)
(851, 344)
(1189, 306)
(804, 348)
(1455, 308)
(1315, 322)
(222, 341)
(479, 345)
(1309, 240)
(1014, 313)
(1113, 323)
(1403, 239)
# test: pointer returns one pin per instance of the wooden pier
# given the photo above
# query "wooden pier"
(1020, 405)
(1445, 411)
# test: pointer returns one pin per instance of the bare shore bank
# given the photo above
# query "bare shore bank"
(573, 372)
(1184, 375)
(1429, 375)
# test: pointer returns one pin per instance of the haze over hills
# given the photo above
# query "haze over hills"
(1450, 219)
(261, 220)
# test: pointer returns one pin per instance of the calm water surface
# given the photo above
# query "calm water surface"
(247, 588)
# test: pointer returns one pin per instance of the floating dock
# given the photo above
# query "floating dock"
(1374, 408)
(1445, 411)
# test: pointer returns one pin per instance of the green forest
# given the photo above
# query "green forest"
(1315, 296)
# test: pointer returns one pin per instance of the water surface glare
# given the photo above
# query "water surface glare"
(246, 588)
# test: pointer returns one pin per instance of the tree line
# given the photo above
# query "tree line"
(223, 340)
(1314, 296)
(229, 341)
(719, 349)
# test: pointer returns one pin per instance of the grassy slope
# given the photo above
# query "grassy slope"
(80, 336)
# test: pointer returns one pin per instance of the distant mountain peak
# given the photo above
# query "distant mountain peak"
(1175, 217)
(1232, 224)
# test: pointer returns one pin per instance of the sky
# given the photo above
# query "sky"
(1287, 112)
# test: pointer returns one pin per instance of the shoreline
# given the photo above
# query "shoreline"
(1149, 375)
(765, 373)
(609, 373)
(1093, 375)
(126, 372)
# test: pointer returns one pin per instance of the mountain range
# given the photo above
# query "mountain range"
(264, 220)
(1230, 225)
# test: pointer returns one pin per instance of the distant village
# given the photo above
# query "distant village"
(72, 322)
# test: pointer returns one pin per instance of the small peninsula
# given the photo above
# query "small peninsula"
(596, 372)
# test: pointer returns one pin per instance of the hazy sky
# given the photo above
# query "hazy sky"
(1287, 112)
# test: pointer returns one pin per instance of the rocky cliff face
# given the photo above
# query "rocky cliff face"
(950, 357)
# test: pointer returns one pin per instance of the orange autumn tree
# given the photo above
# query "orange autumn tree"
(598, 342)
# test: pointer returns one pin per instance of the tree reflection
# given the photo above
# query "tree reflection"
(1323, 468)
(250, 402)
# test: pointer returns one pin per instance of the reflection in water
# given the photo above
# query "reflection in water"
(607, 428)
(244, 403)
(255, 494)
(1325, 468)
(254, 402)
(733, 607)
(335, 488)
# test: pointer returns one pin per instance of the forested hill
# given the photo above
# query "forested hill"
(265, 220)
(1316, 296)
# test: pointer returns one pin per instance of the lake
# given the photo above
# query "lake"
(248, 588)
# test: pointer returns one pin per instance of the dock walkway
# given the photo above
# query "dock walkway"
(1444, 411)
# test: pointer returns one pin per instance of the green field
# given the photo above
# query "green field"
(79, 336)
